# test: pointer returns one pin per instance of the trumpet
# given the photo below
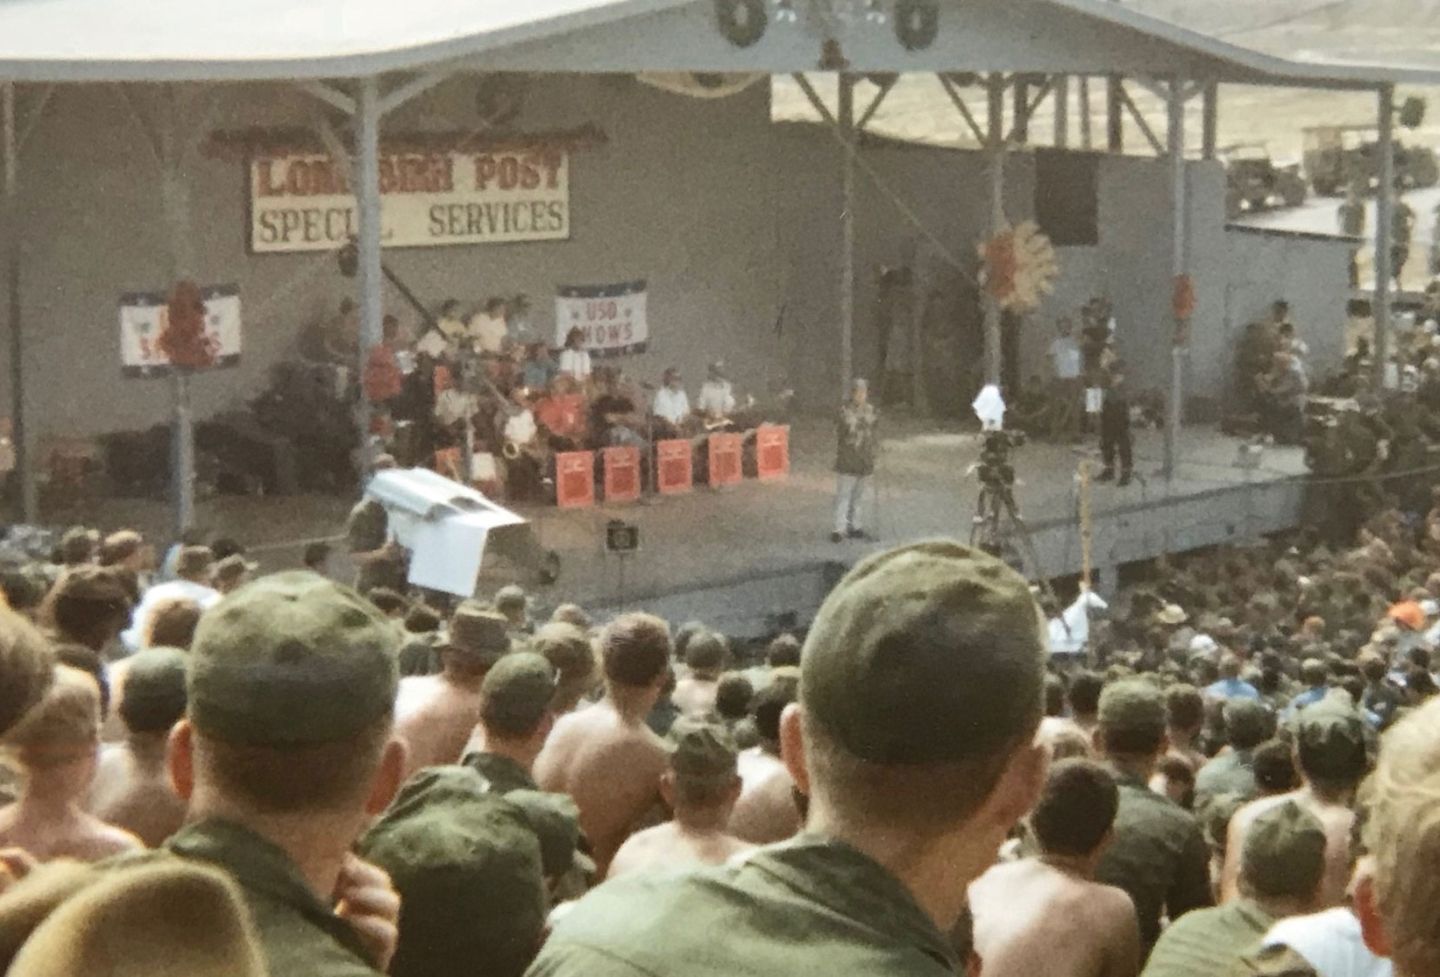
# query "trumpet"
(511, 450)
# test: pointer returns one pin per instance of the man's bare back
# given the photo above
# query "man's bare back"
(766, 810)
(132, 791)
(695, 697)
(77, 835)
(669, 846)
(610, 767)
(434, 717)
(1339, 822)
(1034, 918)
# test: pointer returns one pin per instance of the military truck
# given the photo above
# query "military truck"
(1338, 157)
(1255, 182)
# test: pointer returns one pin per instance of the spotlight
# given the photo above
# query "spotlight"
(874, 13)
(785, 12)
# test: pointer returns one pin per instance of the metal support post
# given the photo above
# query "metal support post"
(1086, 138)
(995, 146)
(846, 118)
(175, 204)
(1115, 113)
(1384, 231)
(10, 243)
(1022, 110)
(1061, 98)
(1176, 149)
(369, 274)
(1211, 116)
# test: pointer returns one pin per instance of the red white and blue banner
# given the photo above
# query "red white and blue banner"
(612, 317)
(145, 315)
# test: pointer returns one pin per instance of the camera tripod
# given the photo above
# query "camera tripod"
(1000, 530)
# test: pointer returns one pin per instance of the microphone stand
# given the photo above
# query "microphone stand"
(652, 494)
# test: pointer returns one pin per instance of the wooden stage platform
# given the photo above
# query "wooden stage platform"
(746, 557)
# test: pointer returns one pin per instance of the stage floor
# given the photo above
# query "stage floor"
(711, 539)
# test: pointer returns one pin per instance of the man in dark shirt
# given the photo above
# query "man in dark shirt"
(914, 739)
(1159, 855)
(854, 460)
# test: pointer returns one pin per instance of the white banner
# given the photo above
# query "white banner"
(612, 317)
(144, 316)
(304, 203)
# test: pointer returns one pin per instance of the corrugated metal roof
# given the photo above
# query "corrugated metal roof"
(1295, 41)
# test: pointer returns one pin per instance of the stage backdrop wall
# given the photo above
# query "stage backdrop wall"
(682, 196)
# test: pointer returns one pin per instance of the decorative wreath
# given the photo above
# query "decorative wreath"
(916, 23)
(183, 339)
(742, 22)
(1020, 267)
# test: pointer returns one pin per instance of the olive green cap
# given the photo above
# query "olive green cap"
(1331, 733)
(1248, 722)
(478, 633)
(517, 691)
(511, 597)
(556, 822)
(291, 660)
(1132, 705)
(930, 653)
(701, 751)
(467, 866)
(1284, 853)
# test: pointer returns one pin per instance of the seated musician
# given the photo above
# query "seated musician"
(574, 358)
(671, 407)
(490, 329)
(717, 397)
(562, 414)
(521, 448)
(449, 323)
(539, 367)
(1283, 392)
(613, 417)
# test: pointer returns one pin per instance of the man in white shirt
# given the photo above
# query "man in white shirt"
(717, 397)
(574, 359)
(192, 573)
(671, 405)
(451, 326)
(1065, 371)
(489, 329)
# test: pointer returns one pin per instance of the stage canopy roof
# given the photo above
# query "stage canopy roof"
(1285, 42)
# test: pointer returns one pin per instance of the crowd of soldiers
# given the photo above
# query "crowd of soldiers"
(295, 778)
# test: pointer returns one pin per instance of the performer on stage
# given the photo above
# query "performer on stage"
(574, 359)
(613, 420)
(671, 406)
(1115, 436)
(489, 329)
(854, 460)
(717, 397)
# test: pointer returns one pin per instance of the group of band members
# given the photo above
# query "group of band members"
(524, 401)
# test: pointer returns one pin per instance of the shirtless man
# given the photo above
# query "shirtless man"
(694, 694)
(435, 714)
(701, 787)
(604, 756)
(1330, 755)
(56, 745)
(132, 788)
(766, 810)
(1048, 914)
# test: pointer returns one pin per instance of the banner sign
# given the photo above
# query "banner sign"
(304, 202)
(612, 317)
(145, 315)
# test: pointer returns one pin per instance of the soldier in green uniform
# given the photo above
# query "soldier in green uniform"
(379, 560)
(515, 718)
(1352, 224)
(286, 754)
(914, 739)
(1248, 723)
(1282, 866)
(1402, 230)
(1159, 855)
